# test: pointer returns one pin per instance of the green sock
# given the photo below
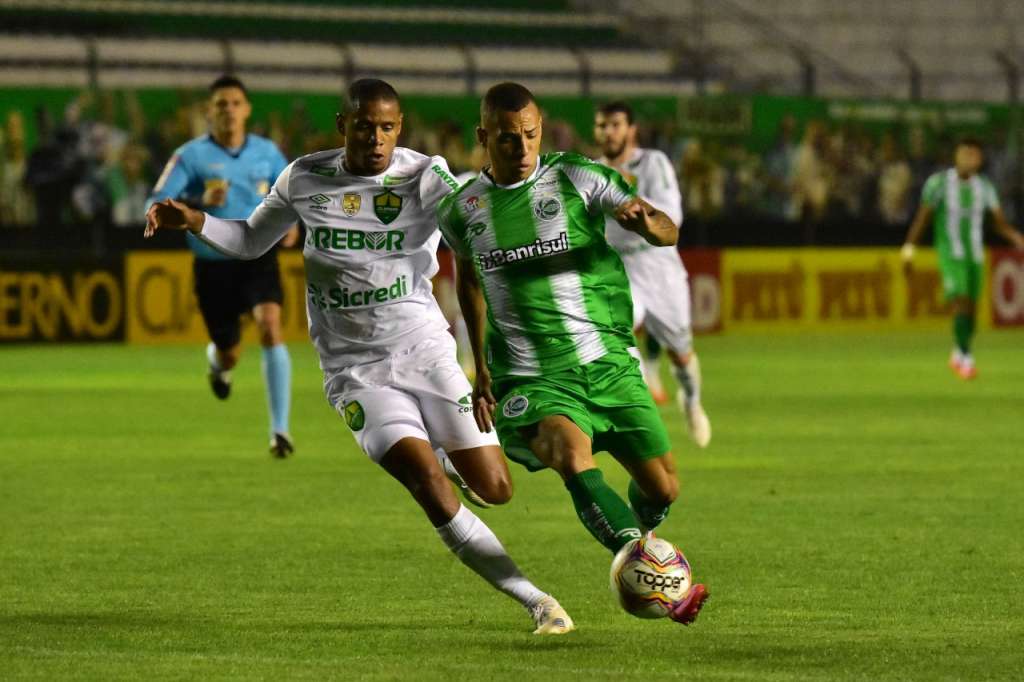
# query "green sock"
(963, 329)
(647, 513)
(601, 510)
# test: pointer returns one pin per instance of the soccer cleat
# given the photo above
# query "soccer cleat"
(696, 419)
(955, 358)
(686, 609)
(220, 383)
(966, 369)
(455, 477)
(550, 618)
(281, 445)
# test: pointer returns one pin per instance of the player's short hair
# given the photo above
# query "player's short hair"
(367, 90)
(228, 81)
(617, 107)
(971, 141)
(506, 96)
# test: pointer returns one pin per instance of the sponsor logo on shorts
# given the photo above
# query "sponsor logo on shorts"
(547, 208)
(540, 247)
(354, 416)
(466, 404)
(515, 406)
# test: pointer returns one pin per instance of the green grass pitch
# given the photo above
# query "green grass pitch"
(858, 516)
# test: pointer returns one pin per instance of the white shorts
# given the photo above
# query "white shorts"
(661, 296)
(418, 393)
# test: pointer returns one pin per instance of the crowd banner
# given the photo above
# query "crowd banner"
(704, 267)
(831, 289)
(55, 300)
(161, 305)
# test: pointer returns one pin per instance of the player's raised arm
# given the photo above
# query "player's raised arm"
(636, 215)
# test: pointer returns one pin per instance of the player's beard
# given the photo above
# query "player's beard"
(615, 152)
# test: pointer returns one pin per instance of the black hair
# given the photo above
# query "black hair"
(617, 107)
(367, 90)
(506, 96)
(971, 141)
(227, 81)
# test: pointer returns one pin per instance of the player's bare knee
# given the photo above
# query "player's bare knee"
(497, 489)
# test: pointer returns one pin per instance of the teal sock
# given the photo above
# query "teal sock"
(647, 513)
(963, 329)
(601, 510)
(277, 374)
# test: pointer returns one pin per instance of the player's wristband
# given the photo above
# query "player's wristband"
(907, 252)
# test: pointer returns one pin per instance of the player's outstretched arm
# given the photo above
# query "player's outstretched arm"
(170, 214)
(474, 310)
(1005, 230)
(636, 215)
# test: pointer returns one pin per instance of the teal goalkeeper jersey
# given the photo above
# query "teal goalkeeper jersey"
(960, 207)
(557, 293)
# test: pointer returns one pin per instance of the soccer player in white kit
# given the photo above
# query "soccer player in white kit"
(657, 277)
(388, 360)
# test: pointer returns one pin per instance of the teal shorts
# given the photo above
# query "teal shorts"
(607, 399)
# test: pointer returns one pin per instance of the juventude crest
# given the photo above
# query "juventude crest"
(387, 205)
(350, 204)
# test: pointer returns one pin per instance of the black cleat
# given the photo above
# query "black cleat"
(281, 445)
(220, 384)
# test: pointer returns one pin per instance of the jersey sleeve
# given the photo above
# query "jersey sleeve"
(453, 227)
(602, 188)
(931, 195)
(175, 178)
(436, 182)
(664, 193)
(251, 238)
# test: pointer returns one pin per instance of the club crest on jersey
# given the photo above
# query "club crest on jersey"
(515, 406)
(354, 416)
(547, 208)
(475, 202)
(386, 206)
(350, 204)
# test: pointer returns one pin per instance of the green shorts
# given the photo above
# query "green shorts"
(607, 399)
(961, 277)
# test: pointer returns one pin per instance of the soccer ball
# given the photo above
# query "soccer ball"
(650, 575)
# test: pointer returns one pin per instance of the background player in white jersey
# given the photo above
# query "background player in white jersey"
(388, 360)
(657, 278)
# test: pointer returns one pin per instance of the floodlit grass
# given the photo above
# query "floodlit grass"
(858, 515)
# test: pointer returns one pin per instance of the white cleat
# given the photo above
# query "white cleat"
(455, 477)
(697, 420)
(550, 618)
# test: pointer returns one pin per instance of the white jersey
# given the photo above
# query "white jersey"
(650, 171)
(370, 250)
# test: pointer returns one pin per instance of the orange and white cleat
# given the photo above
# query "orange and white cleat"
(966, 369)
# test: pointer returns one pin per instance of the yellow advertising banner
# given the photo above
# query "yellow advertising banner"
(160, 303)
(832, 289)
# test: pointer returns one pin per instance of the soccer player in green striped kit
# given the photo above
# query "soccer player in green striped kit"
(958, 199)
(549, 313)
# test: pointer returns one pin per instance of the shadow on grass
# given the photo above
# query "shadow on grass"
(93, 620)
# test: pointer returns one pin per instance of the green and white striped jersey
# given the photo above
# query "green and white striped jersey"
(557, 293)
(960, 207)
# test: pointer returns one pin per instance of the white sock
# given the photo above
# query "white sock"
(649, 370)
(211, 357)
(688, 377)
(478, 547)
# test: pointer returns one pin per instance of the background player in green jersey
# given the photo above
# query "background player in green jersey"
(556, 368)
(958, 199)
